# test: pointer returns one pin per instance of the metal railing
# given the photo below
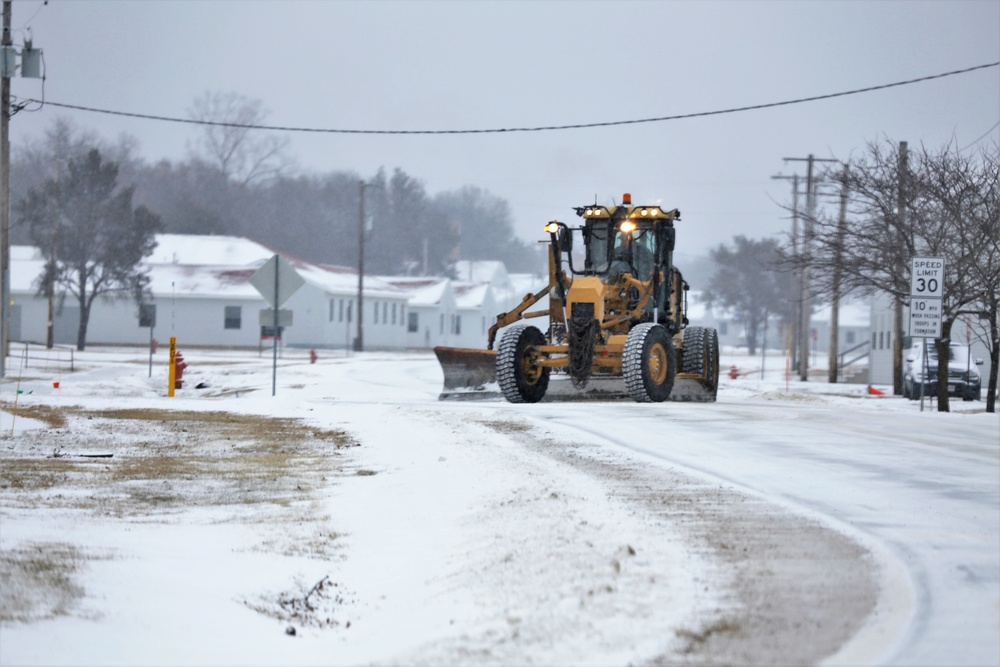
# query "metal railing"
(37, 355)
(842, 364)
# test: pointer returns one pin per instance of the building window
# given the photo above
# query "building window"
(393, 313)
(881, 338)
(413, 325)
(375, 305)
(457, 326)
(340, 314)
(350, 305)
(385, 312)
(850, 338)
(332, 308)
(234, 319)
(873, 341)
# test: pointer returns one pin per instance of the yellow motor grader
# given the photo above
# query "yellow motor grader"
(615, 325)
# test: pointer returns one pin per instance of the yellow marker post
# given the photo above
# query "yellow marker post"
(172, 372)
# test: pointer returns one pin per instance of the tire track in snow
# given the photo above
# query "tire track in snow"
(801, 590)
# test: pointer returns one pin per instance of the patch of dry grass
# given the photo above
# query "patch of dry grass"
(37, 581)
(54, 417)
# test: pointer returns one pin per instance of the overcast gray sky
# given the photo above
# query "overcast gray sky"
(470, 65)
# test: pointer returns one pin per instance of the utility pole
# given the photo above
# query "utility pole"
(359, 341)
(806, 248)
(5, 42)
(897, 334)
(838, 272)
(796, 296)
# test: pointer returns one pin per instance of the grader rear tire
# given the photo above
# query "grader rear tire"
(701, 357)
(521, 380)
(648, 363)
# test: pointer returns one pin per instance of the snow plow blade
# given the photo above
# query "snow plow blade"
(693, 388)
(468, 373)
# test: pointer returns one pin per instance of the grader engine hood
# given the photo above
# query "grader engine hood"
(586, 298)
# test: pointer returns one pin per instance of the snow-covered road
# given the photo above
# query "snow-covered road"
(484, 532)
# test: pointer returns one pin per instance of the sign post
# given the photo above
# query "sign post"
(926, 295)
(276, 281)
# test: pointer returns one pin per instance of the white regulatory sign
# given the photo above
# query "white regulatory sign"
(927, 277)
(925, 317)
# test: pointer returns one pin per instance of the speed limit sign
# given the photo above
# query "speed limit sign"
(927, 277)
(926, 293)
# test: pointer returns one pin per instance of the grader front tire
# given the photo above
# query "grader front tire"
(520, 379)
(648, 363)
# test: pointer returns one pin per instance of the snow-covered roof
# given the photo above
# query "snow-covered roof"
(24, 253)
(471, 295)
(26, 265)
(205, 250)
(189, 281)
(422, 291)
(482, 271)
(229, 278)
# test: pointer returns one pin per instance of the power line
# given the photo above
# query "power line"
(984, 135)
(542, 128)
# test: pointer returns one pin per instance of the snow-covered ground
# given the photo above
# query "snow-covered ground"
(790, 524)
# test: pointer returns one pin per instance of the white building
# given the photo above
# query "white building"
(202, 295)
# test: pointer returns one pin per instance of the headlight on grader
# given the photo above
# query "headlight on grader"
(552, 227)
(627, 227)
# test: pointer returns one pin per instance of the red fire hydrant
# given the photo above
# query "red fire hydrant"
(179, 367)
(153, 344)
(313, 356)
(733, 372)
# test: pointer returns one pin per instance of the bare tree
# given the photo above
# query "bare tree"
(230, 142)
(936, 203)
(966, 192)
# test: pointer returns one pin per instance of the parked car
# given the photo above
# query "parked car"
(964, 378)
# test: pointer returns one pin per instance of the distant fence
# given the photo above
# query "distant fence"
(37, 355)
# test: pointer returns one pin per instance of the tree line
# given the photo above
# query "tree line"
(93, 206)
